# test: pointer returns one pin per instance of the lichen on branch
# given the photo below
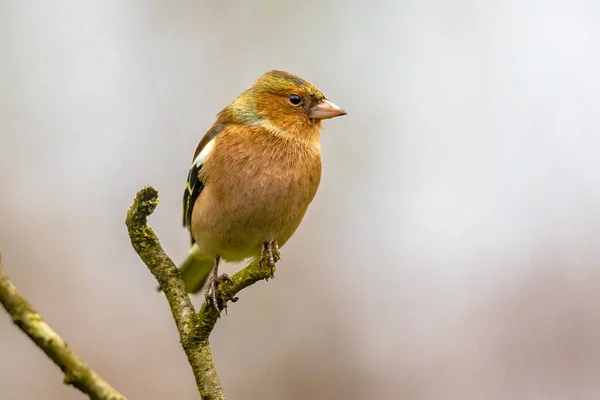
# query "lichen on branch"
(194, 328)
(77, 373)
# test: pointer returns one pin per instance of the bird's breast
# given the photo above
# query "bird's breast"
(254, 192)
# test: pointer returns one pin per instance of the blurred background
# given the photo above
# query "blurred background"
(452, 251)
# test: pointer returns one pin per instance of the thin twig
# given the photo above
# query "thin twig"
(77, 373)
(207, 316)
(146, 244)
(194, 328)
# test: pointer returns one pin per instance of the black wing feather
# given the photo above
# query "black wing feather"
(194, 185)
(193, 188)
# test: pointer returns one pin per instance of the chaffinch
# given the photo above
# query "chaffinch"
(252, 177)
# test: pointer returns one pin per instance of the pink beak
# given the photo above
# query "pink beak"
(326, 110)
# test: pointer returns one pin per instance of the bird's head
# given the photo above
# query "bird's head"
(281, 101)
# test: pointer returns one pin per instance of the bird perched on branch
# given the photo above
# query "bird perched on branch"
(252, 177)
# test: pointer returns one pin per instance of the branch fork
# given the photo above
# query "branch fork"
(194, 326)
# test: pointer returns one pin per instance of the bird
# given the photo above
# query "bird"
(252, 177)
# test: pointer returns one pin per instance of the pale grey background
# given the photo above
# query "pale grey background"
(452, 251)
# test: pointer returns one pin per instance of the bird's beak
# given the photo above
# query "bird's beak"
(325, 110)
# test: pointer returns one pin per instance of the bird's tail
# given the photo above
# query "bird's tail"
(195, 270)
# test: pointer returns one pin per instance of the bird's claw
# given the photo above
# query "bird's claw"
(269, 255)
(213, 295)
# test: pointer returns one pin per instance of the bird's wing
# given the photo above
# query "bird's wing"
(194, 185)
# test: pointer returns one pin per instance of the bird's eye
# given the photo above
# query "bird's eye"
(295, 99)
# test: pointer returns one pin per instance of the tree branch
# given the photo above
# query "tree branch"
(146, 244)
(77, 373)
(194, 328)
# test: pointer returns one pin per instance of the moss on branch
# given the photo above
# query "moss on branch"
(77, 373)
(194, 328)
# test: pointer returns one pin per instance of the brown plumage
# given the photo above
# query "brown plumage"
(254, 175)
(274, 180)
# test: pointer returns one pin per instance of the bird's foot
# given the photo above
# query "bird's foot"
(213, 295)
(269, 255)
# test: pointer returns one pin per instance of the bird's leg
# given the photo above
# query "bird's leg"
(276, 253)
(269, 255)
(213, 294)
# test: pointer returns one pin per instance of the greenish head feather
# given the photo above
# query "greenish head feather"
(282, 83)
(244, 109)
